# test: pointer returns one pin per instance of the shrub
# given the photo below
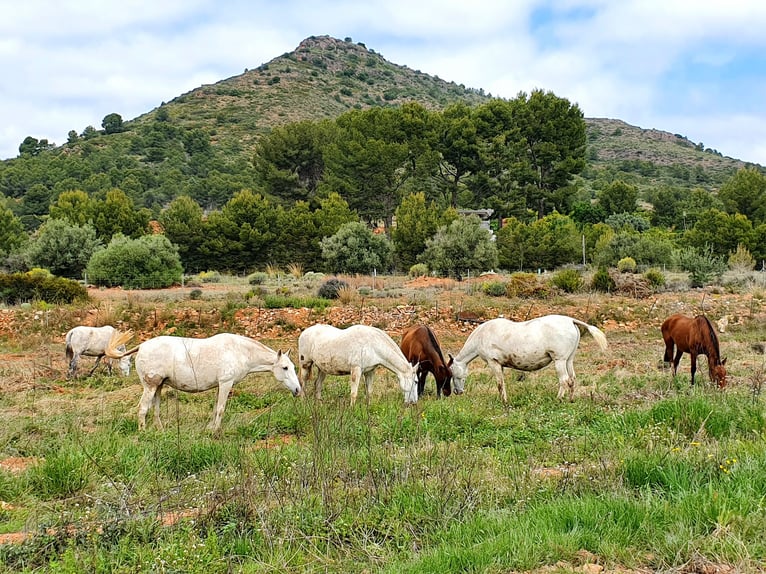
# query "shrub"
(655, 277)
(568, 280)
(526, 285)
(17, 288)
(329, 289)
(418, 270)
(209, 277)
(257, 278)
(602, 281)
(195, 294)
(493, 288)
(626, 265)
(741, 259)
(150, 261)
(703, 266)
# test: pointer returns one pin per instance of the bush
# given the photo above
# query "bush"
(741, 260)
(257, 278)
(493, 288)
(150, 261)
(703, 267)
(602, 281)
(195, 294)
(209, 277)
(329, 289)
(568, 280)
(626, 265)
(526, 285)
(655, 277)
(17, 288)
(418, 270)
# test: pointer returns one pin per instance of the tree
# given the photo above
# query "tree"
(457, 142)
(12, 235)
(149, 262)
(333, 212)
(242, 235)
(116, 213)
(112, 123)
(415, 223)
(74, 206)
(460, 247)
(63, 248)
(618, 197)
(552, 131)
(543, 244)
(183, 226)
(720, 232)
(289, 161)
(745, 193)
(366, 164)
(32, 146)
(355, 249)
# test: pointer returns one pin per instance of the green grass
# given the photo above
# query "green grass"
(639, 471)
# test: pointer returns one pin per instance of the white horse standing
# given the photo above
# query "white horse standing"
(195, 365)
(527, 346)
(91, 342)
(356, 351)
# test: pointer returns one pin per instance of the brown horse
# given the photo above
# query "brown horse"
(695, 336)
(419, 345)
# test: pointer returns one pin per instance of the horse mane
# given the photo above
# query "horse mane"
(435, 344)
(709, 334)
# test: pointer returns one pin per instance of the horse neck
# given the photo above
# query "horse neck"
(470, 349)
(709, 341)
(260, 358)
(392, 358)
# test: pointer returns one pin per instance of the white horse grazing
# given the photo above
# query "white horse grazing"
(91, 342)
(195, 365)
(357, 351)
(527, 346)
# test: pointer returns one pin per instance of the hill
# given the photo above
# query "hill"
(149, 156)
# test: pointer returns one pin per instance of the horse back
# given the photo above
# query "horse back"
(419, 344)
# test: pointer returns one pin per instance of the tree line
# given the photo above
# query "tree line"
(312, 189)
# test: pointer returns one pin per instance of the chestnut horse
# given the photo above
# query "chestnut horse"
(695, 336)
(420, 346)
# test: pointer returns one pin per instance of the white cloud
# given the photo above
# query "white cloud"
(652, 63)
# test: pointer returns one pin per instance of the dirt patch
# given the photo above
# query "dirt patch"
(17, 464)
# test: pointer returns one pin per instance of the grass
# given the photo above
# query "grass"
(640, 471)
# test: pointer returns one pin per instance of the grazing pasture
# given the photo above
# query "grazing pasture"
(641, 472)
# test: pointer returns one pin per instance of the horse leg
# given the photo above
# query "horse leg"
(676, 361)
(318, 384)
(147, 398)
(224, 388)
(565, 380)
(694, 366)
(422, 375)
(156, 402)
(368, 383)
(73, 366)
(356, 376)
(668, 357)
(98, 360)
(572, 378)
(497, 370)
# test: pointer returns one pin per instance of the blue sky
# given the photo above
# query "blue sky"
(696, 68)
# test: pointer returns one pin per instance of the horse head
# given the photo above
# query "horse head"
(411, 391)
(284, 372)
(719, 374)
(459, 374)
(443, 377)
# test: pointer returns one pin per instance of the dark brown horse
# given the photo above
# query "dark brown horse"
(695, 336)
(419, 345)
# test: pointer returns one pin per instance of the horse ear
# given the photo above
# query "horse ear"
(723, 362)
(279, 354)
(451, 360)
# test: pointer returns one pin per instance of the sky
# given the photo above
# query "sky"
(690, 67)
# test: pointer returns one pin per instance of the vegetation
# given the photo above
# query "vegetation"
(639, 472)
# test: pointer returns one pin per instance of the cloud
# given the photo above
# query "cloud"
(681, 66)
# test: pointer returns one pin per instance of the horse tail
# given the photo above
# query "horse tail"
(119, 338)
(596, 333)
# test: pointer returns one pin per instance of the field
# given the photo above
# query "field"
(639, 473)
